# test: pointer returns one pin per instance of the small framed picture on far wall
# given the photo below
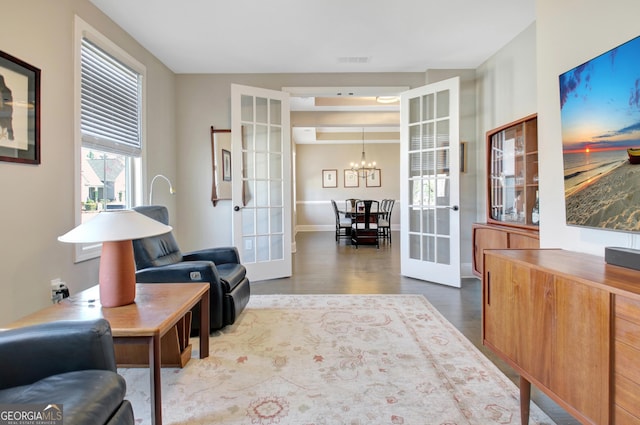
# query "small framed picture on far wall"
(374, 179)
(329, 178)
(351, 178)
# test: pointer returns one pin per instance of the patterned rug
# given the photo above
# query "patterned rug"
(335, 359)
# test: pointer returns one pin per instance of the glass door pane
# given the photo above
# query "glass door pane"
(430, 186)
(262, 224)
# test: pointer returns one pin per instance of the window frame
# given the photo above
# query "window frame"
(82, 30)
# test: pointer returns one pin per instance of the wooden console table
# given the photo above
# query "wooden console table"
(568, 323)
(158, 308)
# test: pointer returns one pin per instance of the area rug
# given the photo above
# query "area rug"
(335, 359)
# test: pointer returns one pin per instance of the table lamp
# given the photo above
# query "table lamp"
(116, 229)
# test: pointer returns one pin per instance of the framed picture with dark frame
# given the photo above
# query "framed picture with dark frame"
(329, 178)
(463, 157)
(226, 165)
(351, 178)
(374, 179)
(19, 111)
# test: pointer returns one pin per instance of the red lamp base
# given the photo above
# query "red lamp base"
(117, 275)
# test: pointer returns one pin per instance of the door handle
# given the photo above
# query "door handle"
(236, 208)
(455, 208)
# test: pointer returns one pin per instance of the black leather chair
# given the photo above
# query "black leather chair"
(71, 363)
(159, 260)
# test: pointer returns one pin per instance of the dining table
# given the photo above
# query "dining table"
(350, 213)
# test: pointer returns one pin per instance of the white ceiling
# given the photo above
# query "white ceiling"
(322, 36)
(307, 36)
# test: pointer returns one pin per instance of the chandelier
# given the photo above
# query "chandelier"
(363, 168)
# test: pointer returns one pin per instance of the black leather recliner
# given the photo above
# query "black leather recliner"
(68, 363)
(159, 260)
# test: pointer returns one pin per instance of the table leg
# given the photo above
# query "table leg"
(525, 400)
(204, 325)
(155, 362)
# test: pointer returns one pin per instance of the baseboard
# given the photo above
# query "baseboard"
(466, 270)
(315, 228)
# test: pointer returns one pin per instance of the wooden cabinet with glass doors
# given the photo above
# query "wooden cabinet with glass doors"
(512, 190)
(512, 169)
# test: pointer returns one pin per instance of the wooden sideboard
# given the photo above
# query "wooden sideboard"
(569, 324)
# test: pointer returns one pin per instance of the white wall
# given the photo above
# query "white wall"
(506, 91)
(37, 201)
(568, 35)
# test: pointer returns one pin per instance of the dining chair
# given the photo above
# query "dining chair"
(384, 219)
(343, 224)
(350, 204)
(364, 228)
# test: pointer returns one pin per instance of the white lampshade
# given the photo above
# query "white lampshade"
(116, 229)
(117, 225)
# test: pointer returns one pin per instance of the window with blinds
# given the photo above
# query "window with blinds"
(110, 102)
(110, 125)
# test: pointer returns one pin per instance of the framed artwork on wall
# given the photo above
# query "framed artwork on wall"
(221, 164)
(463, 157)
(351, 178)
(375, 178)
(226, 165)
(329, 178)
(19, 111)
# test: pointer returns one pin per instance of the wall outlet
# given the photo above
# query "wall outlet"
(59, 290)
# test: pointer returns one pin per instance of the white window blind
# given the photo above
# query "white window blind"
(110, 107)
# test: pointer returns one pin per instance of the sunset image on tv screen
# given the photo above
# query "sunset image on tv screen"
(600, 115)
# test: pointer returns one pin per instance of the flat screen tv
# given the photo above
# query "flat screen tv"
(600, 115)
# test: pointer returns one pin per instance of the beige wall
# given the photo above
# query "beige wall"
(568, 36)
(314, 211)
(36, 202)
(203, 101)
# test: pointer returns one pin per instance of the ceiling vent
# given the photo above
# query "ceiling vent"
(354, 59)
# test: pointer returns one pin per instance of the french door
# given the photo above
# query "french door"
(261, 180)
(430, 183)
